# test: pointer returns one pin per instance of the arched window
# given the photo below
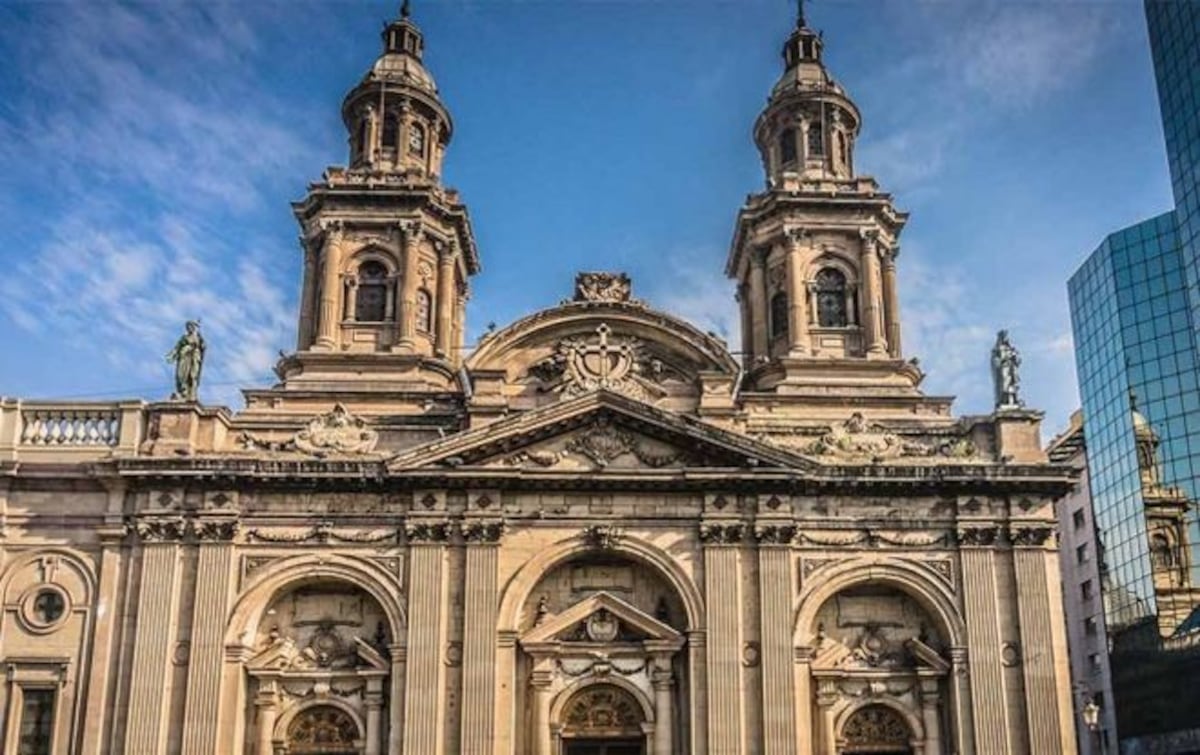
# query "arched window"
(371, 302)
(364, 132)
(831, 299)
(416, 139)
(424, 311)
(779, 315)
(816, 140)
(843, 155)
(787, 146)
(391, 133)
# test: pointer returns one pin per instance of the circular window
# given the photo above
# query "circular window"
(45, 608)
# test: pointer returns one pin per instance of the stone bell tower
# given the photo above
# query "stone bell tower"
(814, 254)
(388, 250)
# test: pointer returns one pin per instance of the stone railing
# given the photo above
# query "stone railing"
(36, 429)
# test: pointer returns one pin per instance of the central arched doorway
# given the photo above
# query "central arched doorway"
(876, 730)
(603, 719)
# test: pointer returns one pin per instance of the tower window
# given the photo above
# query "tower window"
(424, 311)
(831, 299)
(787, 146)
(391, 133)
(816, 140)
(416, 139)
(364, 131)
(843, 155)
(371, 304)
(36, 732)
(779, 315)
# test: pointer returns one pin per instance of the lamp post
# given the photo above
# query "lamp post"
(1091, 717)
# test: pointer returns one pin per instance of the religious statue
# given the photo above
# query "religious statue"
(1005, 361)
(188, 358)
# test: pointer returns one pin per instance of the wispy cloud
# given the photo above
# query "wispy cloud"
(699, 293)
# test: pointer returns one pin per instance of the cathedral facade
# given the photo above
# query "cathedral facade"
(595, 533)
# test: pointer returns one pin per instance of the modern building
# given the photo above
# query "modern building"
(596, 533)
(1134, 305)
(1087, 637)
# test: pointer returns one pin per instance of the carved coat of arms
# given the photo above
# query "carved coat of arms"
(339, 431)
(608, 362)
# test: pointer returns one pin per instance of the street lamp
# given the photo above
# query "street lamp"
(1091, 717)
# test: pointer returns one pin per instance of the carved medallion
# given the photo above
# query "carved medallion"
(602, 626)
(339, 431)
(605, 362)
(603, 287)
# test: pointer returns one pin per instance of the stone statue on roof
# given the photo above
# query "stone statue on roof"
(188, 358)
(1005, 362)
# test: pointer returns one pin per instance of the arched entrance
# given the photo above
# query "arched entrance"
(603, 720)
(876, 730)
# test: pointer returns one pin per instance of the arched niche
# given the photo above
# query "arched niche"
(587, 616)
(329, 727)
(878, 728)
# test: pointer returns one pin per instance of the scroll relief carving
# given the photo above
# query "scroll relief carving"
(856, 438)
(604, 362)
(336, 432)
(601, 443)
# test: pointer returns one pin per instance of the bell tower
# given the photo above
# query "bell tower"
(388, 250)
(814, 253)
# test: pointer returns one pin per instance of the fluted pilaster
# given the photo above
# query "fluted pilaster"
(426, 684)
(157, 612)
(1049, 723)
(778, 693)
(201, 724)
(479, 649)
(722, 596)
(988, 693)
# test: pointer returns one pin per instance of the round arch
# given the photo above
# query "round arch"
(568, 694)
(372, 252)
(285, 721)
(517, 592)
(77, 561)
(280, 575)
(908, 577)
(836, 259)
(915, 728)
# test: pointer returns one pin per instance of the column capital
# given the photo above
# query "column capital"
(413, 230)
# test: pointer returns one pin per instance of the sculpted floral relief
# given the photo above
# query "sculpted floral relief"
(858, 439)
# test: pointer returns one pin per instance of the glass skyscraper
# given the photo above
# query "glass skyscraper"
(1135, 308)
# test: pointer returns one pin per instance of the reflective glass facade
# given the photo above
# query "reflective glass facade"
(1135, 307)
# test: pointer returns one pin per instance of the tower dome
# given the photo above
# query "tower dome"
(397, 121)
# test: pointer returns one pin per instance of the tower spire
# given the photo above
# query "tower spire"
(800, 22)
(406, 8)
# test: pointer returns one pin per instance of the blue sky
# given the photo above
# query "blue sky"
(148, 153)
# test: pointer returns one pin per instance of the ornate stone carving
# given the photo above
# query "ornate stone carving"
(856, 438)
(1032, 536)
(608, 362)
(876, 727)
(602, 626)
(775, 534)
(979, 536)
(221, 530)
(603, 287)
(428, 532)
(483, 532)
(602, 536)
(321, 532)
(159, 529)
(722, 534)
(339, 431)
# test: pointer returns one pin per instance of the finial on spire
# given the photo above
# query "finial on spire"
(406, 8)
(800, 22)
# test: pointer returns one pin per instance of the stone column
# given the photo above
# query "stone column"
(157, 614)
(873, 336)
(308, 295)
(664, 724)
(408, 308)
(891, 303)
(350, 287)
(758, 304)
(481, 598)
(723, 600)
(697, 649)
(371, 148)
(963, 728)
(929, 717)
(373, 701)
(988, 693)
(104, 651)
(460, 324)
(802, 673)
(331, 260)
(778, 682)
(397, 702)
(540, 684)
(202, 727)
(266, 701)
(426, 684)
(797, 296)
(826, 697)
(445, 299)
(1043, 635)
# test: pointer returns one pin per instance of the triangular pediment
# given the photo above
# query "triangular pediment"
(283, 654)
(602, 618)
(600, 431)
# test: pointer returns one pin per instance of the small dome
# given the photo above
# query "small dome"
(399, 68)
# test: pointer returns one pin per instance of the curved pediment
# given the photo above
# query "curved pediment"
(604, 342)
